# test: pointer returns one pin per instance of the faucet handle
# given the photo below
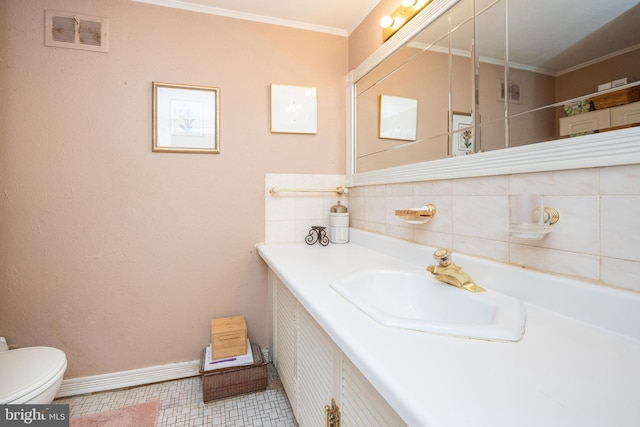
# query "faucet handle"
(443, 256)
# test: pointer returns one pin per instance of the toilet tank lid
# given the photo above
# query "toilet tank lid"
(25, 369)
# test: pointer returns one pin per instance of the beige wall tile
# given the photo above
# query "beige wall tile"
(563, 262)
(432, 238)
(399, 232)
(486, 248)
(621, 273)
(481, 216)
(566, 182)
(280, 231)
(399, 190)
(433, 188)
(481, 186)
(620, 236)
(620, 180)
(375, 209)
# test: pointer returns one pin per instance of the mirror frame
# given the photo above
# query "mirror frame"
(612, 148)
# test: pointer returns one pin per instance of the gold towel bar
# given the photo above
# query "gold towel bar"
(340, 190)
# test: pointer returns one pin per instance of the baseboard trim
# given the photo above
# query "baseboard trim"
(135, 377)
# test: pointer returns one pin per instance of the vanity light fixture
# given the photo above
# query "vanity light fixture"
(403, 14)
(386, 21)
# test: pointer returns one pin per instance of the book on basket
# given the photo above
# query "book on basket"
(227, 362)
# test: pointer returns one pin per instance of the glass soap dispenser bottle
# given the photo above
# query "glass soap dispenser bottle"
(338, 224)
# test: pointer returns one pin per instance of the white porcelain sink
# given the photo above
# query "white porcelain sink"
(415, 300)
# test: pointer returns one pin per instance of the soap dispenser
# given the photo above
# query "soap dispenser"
(338, 224)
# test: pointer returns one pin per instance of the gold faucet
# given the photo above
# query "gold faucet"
(448, 272)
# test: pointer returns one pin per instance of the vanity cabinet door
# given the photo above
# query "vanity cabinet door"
(285, 339)
(315, 371)
(362, 405)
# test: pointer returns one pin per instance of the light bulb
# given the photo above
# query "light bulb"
(407, 3)
(386, 21)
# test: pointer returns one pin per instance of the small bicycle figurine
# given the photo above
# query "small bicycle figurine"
(317, 234)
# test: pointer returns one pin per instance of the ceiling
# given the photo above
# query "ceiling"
(338, 17)
(550, 43)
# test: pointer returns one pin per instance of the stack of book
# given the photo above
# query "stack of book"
(227, 362)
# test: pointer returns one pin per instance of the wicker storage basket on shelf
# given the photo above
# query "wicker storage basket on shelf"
(227, 382)
(619, 97)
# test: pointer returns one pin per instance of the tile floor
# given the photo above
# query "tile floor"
(181, 404)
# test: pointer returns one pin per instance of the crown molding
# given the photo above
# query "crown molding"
(177, 4)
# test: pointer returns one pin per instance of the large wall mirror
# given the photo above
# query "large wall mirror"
(482, 87)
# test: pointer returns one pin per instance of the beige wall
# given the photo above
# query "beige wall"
(586, 80)
(365, 39)
(117, 255)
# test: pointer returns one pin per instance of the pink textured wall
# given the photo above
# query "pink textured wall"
(367, 37)
(112, 253)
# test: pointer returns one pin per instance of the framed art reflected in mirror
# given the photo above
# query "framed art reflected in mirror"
(398, 118)
(461, 137)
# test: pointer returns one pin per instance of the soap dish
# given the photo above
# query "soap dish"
(529, 232)
(417, 215)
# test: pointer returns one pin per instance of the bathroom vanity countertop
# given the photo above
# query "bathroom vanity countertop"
(578, 363)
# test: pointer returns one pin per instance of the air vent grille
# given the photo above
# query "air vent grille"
(70, 30)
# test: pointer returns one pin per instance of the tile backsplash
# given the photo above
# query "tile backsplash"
(597, 237)
(290, 215)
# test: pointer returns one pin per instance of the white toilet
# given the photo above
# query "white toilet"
(31, 375)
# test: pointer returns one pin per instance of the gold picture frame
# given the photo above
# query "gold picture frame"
(294, 109)
(186, 118)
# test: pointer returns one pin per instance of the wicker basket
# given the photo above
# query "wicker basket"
(233, 381)
(619, 97)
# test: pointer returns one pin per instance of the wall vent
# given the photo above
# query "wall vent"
(70, 30)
